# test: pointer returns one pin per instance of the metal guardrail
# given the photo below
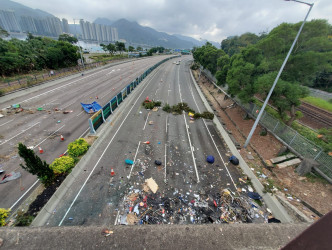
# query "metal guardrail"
(298, 143)
(100, 117)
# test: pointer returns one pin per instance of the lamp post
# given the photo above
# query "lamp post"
(280, 71)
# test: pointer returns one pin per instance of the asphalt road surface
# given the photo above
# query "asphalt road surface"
(181, 144)
(43, 128)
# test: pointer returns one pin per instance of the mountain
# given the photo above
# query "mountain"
(134, 33)
(104, 21)
(22, 10)
(195, 41)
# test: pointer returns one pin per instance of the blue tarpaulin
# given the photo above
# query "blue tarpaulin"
(91, 108)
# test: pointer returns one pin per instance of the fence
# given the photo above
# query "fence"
(289, 137)
(100, 117)
(320, 94)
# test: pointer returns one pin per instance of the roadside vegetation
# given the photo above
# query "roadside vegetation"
(321, 103)
(248, 64)
(50, 175)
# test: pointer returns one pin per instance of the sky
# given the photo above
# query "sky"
(213, 20)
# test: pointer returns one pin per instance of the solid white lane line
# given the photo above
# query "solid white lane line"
(116, 218)
(166, 124)
(187, 129)
(24, 194)
(132, 166)
(19, 134)
(146, 120)
(214, 143)
(6, 122)
(165, 180)
(102, 155)
(48, 136)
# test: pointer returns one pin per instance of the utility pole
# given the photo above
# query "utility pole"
(280, 71)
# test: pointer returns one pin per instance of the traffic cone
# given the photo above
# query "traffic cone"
(40, 150)
(61, 138)
(112, 172)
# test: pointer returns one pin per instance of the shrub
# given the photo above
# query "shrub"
(62, 165)
(167, 108)
(23, 219)
(207, 115)
(78, 147)
(4, 213)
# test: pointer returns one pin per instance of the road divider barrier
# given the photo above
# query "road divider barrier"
(100, 117)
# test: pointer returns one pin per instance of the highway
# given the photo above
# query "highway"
(43, 128)
(181, 144)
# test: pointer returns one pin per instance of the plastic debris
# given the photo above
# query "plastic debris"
(106, 232)
(151, 122)
(210, 159)
(254, 195)
(9, 177)
(129, 162)
(157, 162)
(234, 160)
(40, 109)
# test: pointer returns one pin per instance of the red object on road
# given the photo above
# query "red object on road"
(112, 172)
(146, 142)
(215, 203)
(61, 138)
(40, 150)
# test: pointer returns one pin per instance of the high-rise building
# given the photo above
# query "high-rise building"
(104, 33)
(116, 35)
(109, 33)
(65, 25)
(9, 21)
(28, 25)
(98, 31)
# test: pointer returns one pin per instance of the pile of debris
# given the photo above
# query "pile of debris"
(148, 206)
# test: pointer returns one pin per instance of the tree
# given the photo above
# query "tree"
(139, 48)
(68, 38)
(62, 165)
(3, 33)
(34, 165)
(131, 48)
(285, 97)
(120, 46)
(111, 48)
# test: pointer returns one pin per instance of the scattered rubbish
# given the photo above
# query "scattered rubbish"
(263, 176)
(234, 160)
(254, 195)
(106, 232)
(59, 121)
(67, 111)
(15, 106)
(155, 109)
(40, 109)
(157, 162)
(9, 177)
(210, 159)
(191, 114)
(250, 189)
(129, 162)
(159, 142)
(132, 219)
(146, 142)
(153, 186)
(70, 218)
(151, 122)
(273, 220)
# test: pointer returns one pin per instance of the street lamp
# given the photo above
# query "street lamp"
(277, 78)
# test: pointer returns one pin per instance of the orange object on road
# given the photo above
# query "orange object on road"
(61, 138)
(112, 172)
(40, 150)
(146, 142)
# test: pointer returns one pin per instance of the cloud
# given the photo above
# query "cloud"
(209, 19)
